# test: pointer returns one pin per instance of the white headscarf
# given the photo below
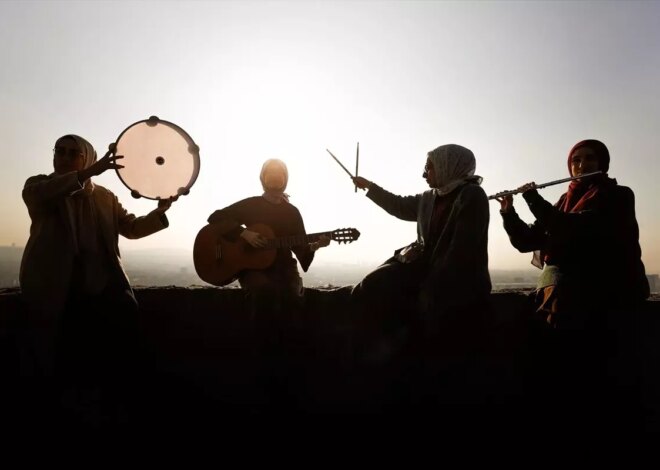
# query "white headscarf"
(454, 166)
(274, 195)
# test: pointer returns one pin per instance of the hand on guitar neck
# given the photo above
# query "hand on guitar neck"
(323, 240)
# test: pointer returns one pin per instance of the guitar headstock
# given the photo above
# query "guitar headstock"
(345, 235)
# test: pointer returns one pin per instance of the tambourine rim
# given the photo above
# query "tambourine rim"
(197, 160)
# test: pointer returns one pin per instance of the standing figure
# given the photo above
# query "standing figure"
(81, 307)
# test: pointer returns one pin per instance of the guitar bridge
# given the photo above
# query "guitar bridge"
(218, 252)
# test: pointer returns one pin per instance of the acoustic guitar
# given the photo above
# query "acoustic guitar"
(219, 261)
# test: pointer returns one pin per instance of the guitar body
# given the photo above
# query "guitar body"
(218, 261)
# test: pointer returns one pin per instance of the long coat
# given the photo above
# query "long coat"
(596, 249)
(48, 261)
(458, 270)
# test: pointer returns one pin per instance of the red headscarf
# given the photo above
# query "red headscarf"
(580, 193)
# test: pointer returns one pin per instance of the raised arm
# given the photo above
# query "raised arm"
(133, 227)
(563, 226)
(42, 191)
(402, 207)
(523, 237)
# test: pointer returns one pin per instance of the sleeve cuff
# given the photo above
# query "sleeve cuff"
(508, 214)
(531, 196)
(372, 191)
(76, 185)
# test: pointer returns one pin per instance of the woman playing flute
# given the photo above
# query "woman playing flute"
(593, 278)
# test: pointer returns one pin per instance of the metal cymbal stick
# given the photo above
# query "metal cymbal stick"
(340, 164)
(357, 162)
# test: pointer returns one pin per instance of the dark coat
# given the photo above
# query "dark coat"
(458, 261)
(597, 248)
(284, 219)
(47, 264)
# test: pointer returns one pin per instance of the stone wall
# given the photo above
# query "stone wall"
(202, 364)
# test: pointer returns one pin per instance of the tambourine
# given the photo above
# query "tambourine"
(160, 159)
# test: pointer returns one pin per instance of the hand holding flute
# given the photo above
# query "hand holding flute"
(506, 200)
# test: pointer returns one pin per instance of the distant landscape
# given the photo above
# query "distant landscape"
(175, 268)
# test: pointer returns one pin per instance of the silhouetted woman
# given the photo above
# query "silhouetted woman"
(280, 282)
(274, 294)
(593, 278)
(79, 299)
(440, 284)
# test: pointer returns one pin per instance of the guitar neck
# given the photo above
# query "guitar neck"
(295, 240)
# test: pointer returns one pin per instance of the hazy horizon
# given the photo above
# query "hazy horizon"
(160, 267)
(153, 267)
(517, 82)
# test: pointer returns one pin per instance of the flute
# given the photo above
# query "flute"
(550, 183)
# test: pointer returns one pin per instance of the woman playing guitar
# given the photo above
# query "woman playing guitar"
(281, 281)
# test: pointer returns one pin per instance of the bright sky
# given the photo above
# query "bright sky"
(517, 82)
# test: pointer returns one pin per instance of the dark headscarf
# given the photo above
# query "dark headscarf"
(581, 192)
